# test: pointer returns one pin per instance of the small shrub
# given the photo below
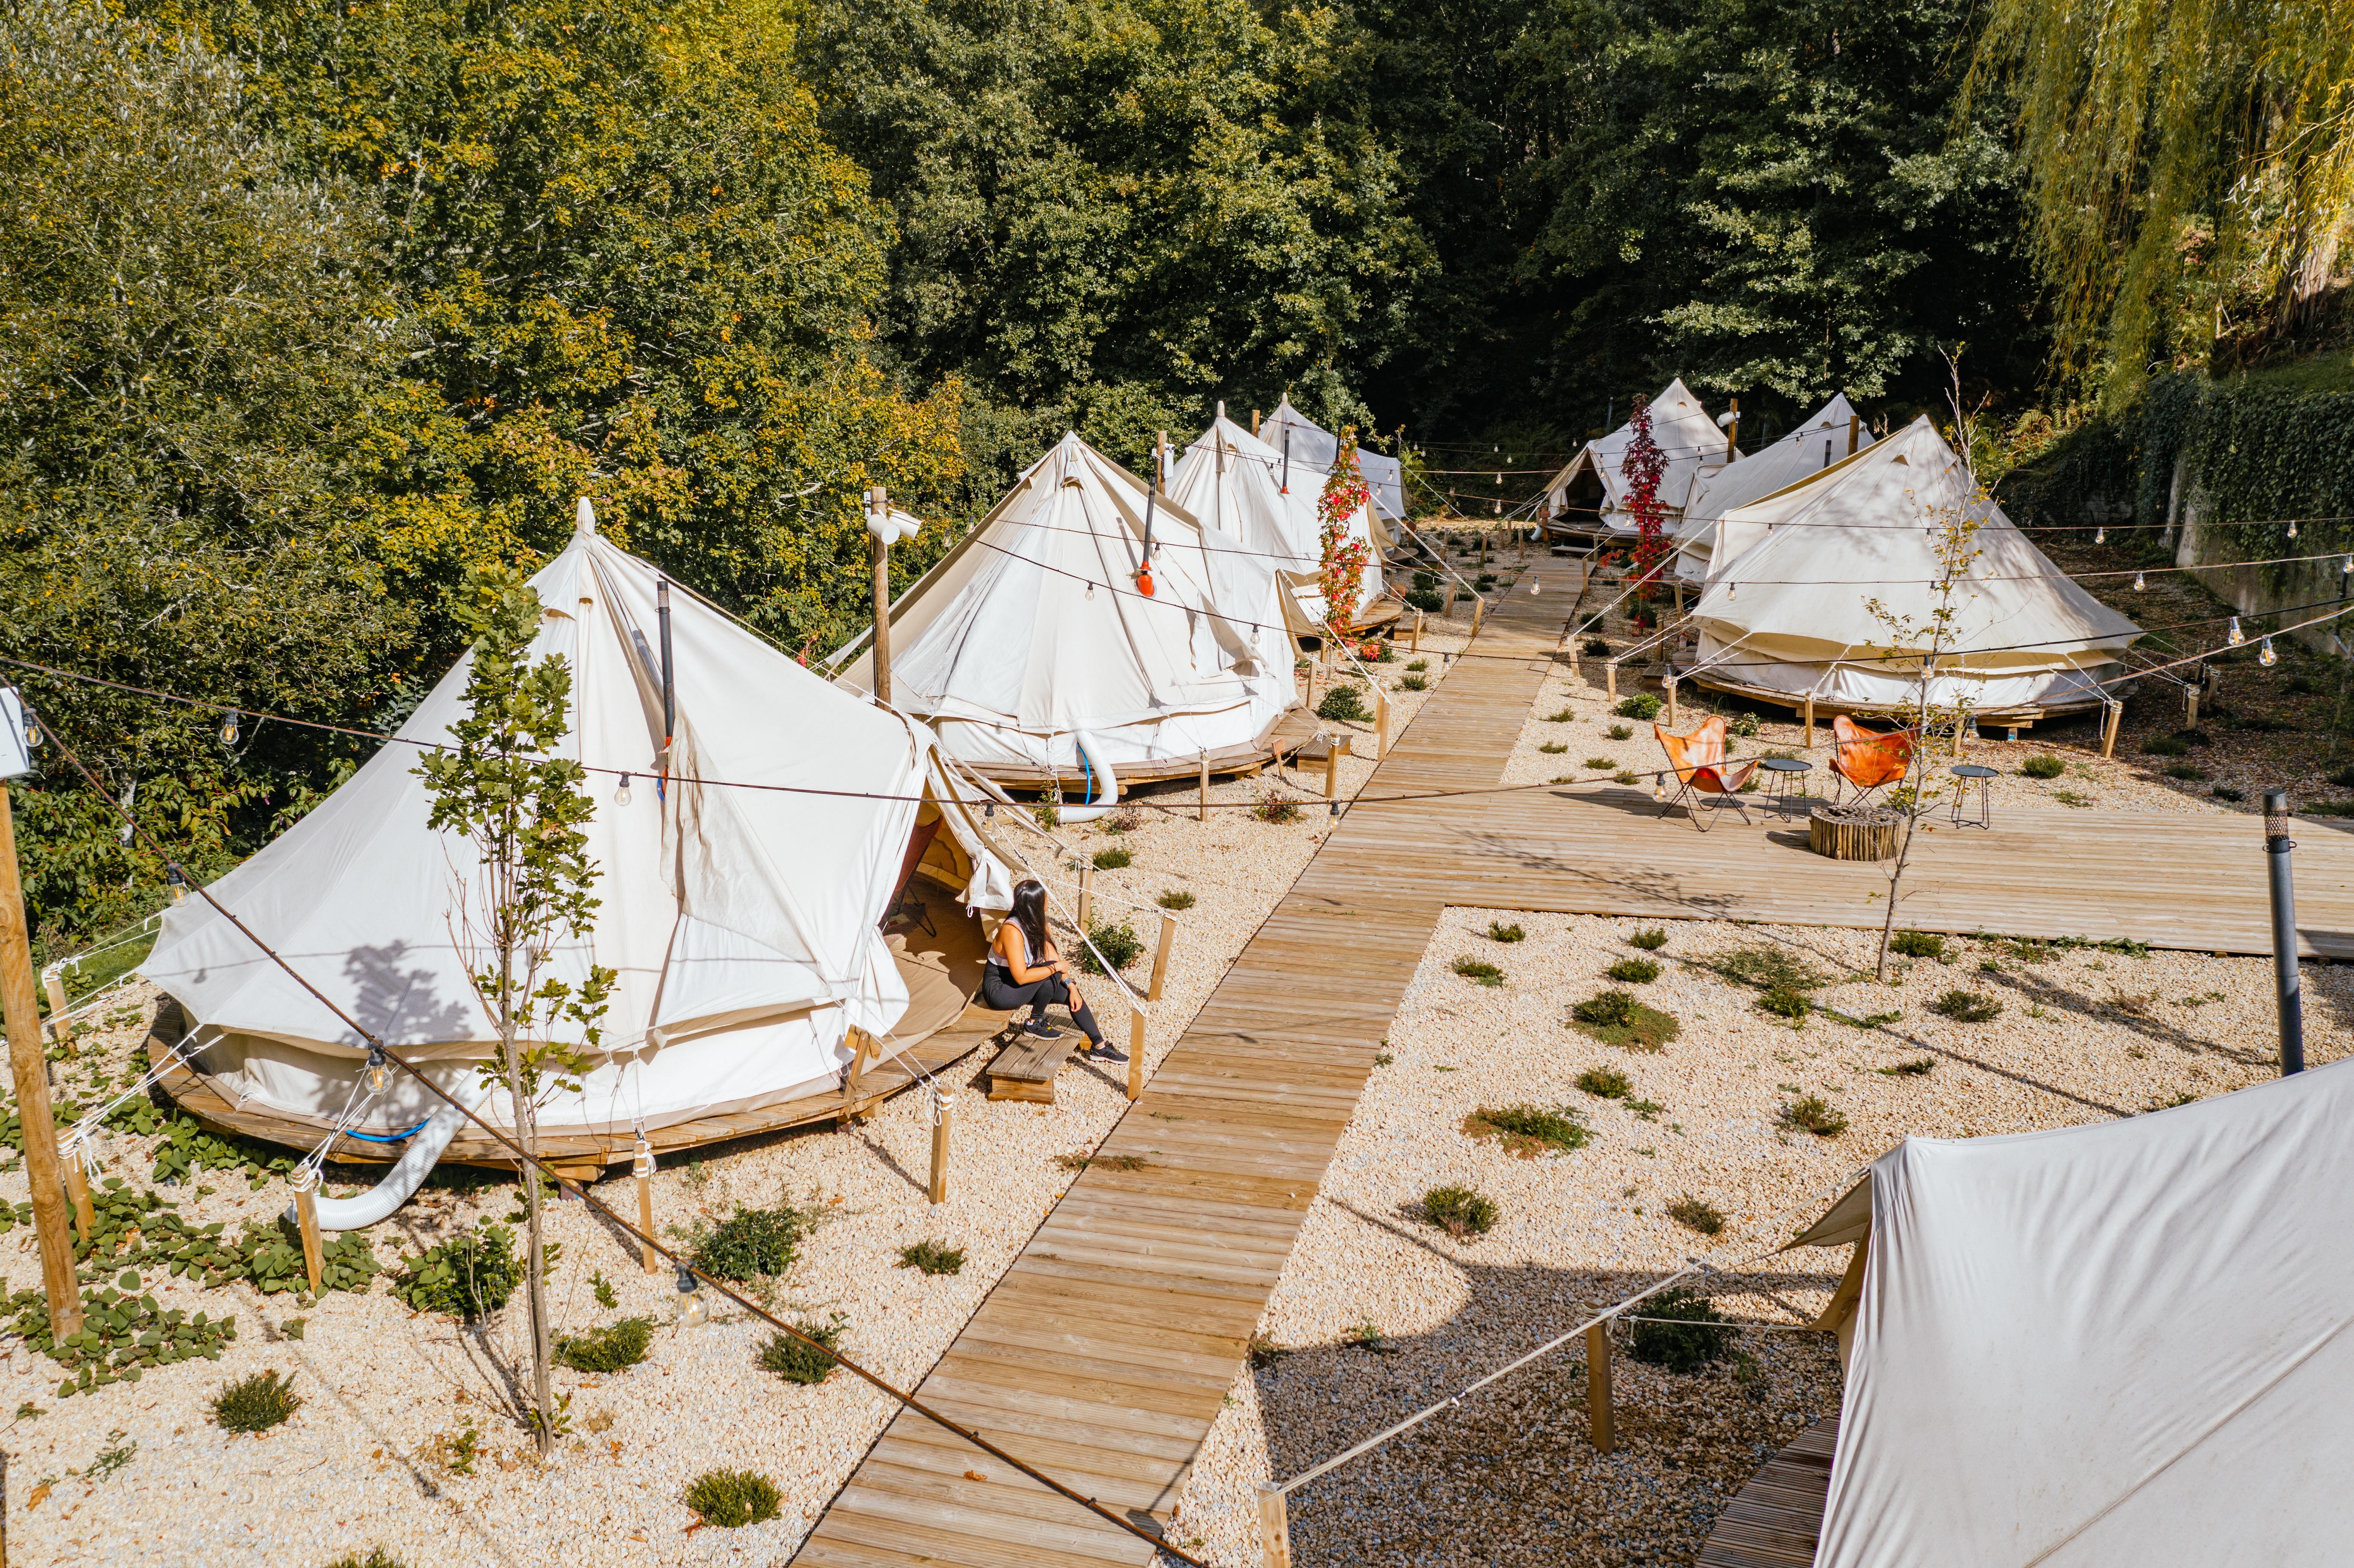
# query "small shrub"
(1264, 1352)
(1048, 812)
(1634, 971)
(2045, 766)
(1966, 1006)
(1596, 648)
(1787, 1002)
(1643, 706)
(1419, 665)
(1626, 778)
(1618, 732)
(468, 1276)
(1684, 1345)
(1480, 969)
(732, 1498)
(2190, 771)
(1602, 764)
(1918, 945)
(2327, 809)
(2300, 685)
(1812, 1113)
(1742, 724)
(2225, 792)
(1345, 704)
(1126, 820)
(748, 1243)
(1651, 939)
(932, 1257)
(377, 1557)
(2167, 746)
(1553, 747)
(2072, 798)
(2343, 777)
(1414, 682)
(1616, 1018)
(1113, 860)
(609, 1348)
(1375, 652)
(1274, 807)
(1425, 599)
(603, 1288)
(1917, 1067)
(1563, 716)
(1691, 1211)
(1765, 966)
(1119, 945)
(1422, 579)
(1499, 932)
(1604, 1083)
(1528, 1130)
(1175, 899)
(1459, 1210)
(256, 1404)
(1484, 581)
(797, 1361)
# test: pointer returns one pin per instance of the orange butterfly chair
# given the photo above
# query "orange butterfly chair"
(1701, 776)
(1869, 759)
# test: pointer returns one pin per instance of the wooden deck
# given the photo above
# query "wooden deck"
(1107, 1350)
(1774, 1521)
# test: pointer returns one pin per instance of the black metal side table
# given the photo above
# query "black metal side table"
(1973, 774)
(1789, 797)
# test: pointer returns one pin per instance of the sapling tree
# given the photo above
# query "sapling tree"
(1642, 468)
(503, 786)
(1341, 570)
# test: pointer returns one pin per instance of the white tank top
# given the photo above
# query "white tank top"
(997, 960)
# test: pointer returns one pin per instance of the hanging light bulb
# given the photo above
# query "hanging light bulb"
(621, 795)
(2235, 637)
(179, 882)
(2268, 656)
(228, 728)
(2137, 583)
(1731, 592)
(2292, 527)
(33, 726)
(378, 1076)
(2101, 534)
(693, 1312)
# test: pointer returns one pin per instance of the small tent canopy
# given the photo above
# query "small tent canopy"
(1590, 495)
(1033, 632)
(1317, 449)
(1787, 613)
(1229, 480)
(2120, 1343)
(741, 923)
(1835, 430)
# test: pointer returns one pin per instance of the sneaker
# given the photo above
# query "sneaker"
(1105, 1051)
(1040, 1029)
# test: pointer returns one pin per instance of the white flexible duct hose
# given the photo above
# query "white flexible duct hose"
(1090, 748)
(399, 1185)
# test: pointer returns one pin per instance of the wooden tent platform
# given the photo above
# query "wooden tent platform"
(1775, 1520)
(1826, 709)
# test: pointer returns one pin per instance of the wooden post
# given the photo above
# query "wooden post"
(1479, 613)
(77, 1186)
(1254, 421)
(1852, 423)
(1677, 588)
(1161, 462)
(1161, 955)
(306, 1216)
(28, 1065)
(945, 1106)
(54, 982)
(1810, 719)
(1670, 684)
(859, 1042)
(2115, 718)
(878, 503)
(1087, 893)
(1611, 669)
(1597, 1386)
(1136, 1056)
(1333, 755)
(643, 1168)
(1447, 611)
(1202, 813)
(1381, 723)
(2191, 707)
(1274, 1527)
(1417, 645)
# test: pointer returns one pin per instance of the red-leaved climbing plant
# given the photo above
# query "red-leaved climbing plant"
(1642, 468)
(1343, 569)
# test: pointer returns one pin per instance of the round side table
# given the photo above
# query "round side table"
(1789, 798)
(1972, 774)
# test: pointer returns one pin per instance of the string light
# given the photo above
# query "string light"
(621, 795)
(2138, 582)
(33, 725)
(378, 1076)
(178, 880)
(693, 1312)
(2235, 637)
(2101, 534)
(228, 728)
(2292, 527)
(2268, 656)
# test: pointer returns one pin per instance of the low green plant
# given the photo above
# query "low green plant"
(1642, 706)
(1596, 648)
(1742, 724)
(1563, 716)
(1119, 944)
(731, 1499)
(1114, 859)
(377, 1557)
(1917, 1067)
(1528, 1130)
(1688, 1342)
(1634, 971)
(796, 1359)
(1419, 665)
(256, 1404)
(1766, 967)
(1175, 899)
(1479, 971)
(2343, 777)
(1460, 1211)
(1048, 812)
(469, 1275)
(2045, 766)
(932, 1257)
(1616, 1018)
(1274, 807)
(1602, 762)
(1343, 703)
(2167, 746)
(2226, 792)
(1604, 1083)
(1814, 1114)
(1966, 1006)
(1787, 1002)
(2189, 773)
(1499, 932)
(1918, 945)
(603, 1288)
(1618, 732)
(2327, 809)
(608, 1349)
(750, 1244)
(1414, 682)
(1651, 938)
(1690, 1212)
(1425, 599)
(1553, 747)
(2072, 798)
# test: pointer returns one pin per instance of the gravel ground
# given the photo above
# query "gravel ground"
(1380, 1313)
(368, 1461)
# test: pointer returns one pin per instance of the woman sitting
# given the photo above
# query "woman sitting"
(1026, 970)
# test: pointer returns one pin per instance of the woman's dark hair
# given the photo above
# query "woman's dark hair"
(1030, 914)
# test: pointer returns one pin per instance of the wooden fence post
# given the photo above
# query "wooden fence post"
(859, 1042)
(2115, 719)
(1274, 1527)
(1671, 683)
(1479, 612)
(1810, 719)
(306, 1216)
(1611, 669)
(1597, 1386)
(641, 1166)
(2191, 707)
(1333, 752)
(1161, 955)
(1416, 647)
(943, 1114)
(1202, 813)
(1135, 1055)
(28, 1066)
(77, 1185)
(53, 980)
(1087, 893)
(1381, 723)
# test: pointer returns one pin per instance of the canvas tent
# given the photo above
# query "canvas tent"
(1317, 449)
(2119, 1343)
(1787, 613)
(1833, 431)
(741, 923)
(1590, 495)
(1032, 651)
(1229, 480)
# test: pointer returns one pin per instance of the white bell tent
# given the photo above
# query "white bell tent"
(1228, 482)
(1833, 431)
(1589, 496)
(741, 922)
(1788, 614)
(2117, 1343)
(1033, 650)
(1317, 449)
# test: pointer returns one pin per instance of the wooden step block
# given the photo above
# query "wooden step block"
(1025, 1069)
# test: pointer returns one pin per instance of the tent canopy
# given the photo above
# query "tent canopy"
(2119, 1343)
(1818, 441)
(1590, 492)
(1032, 630)
(1230, 480)
(741, 922)
(1318, 449)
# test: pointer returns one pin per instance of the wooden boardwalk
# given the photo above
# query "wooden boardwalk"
(1775, 1520)
(1109, 1348)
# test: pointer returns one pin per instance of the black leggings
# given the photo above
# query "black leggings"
(1000, 994)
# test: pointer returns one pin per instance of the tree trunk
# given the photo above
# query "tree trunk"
(542, 1339)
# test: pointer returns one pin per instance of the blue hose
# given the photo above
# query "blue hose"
(389, 1137)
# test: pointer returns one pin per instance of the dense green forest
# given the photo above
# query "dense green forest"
(310, 304)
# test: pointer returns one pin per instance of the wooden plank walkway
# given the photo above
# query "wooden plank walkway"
(1107, 1350)
(1775, 1520)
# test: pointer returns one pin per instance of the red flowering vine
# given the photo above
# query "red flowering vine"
(1346, 558)
(1642, 469)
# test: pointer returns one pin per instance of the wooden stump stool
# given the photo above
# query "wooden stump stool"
(1852, 832)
